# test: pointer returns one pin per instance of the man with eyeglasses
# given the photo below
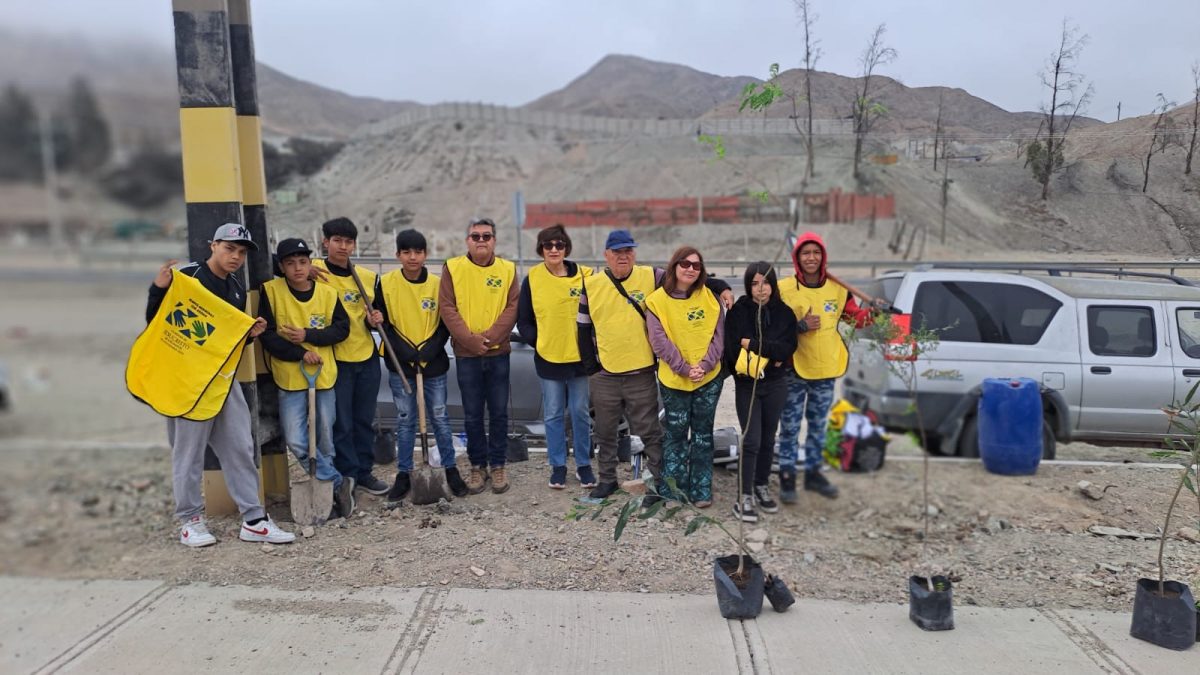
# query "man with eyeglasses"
(477, 299)
(616, 354)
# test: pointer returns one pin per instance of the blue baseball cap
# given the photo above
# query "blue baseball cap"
(619, 239)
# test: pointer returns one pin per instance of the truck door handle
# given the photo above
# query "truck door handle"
(1191, 372)
(1101, 370)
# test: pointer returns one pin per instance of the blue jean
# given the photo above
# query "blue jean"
(357, 387)
(810, 400)
(483, 382)
(293, 419)
(407, 419)
(559, 397)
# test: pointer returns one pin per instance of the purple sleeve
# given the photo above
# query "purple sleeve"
(716, 347)
(659, 275)
(663, 347)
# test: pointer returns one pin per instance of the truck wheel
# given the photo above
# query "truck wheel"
(968, 440)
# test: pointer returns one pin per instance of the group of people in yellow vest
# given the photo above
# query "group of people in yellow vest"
(611, 344)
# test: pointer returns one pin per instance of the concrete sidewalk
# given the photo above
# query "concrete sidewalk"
(147, 626)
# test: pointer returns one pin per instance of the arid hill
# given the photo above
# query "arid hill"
(629, 86)
(136, 85)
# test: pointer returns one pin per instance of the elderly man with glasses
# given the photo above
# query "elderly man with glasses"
(616, 354)
(477, 299)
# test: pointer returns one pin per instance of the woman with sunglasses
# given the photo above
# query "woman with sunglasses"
(546, 312)
(686, 329)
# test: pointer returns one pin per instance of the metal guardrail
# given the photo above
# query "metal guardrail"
(1188, 269)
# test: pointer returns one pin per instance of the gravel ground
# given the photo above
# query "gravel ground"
(87, 495)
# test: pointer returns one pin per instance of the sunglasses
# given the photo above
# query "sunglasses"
(481, 236)
(689, 265)
(555, 245)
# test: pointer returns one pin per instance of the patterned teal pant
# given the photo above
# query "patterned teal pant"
(689, 460)
(808, 400)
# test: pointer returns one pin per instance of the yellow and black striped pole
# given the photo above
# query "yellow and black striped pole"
(254, 210)
(212, 182)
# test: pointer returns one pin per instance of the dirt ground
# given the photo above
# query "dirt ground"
(86, 494)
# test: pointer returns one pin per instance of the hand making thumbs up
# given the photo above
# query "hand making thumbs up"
(812, 320)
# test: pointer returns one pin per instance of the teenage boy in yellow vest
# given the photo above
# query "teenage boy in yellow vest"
(820, 358)
(407, 297)
(546, 320)
(229, 431)
(304, 322)
(357, 384)
(616, 354)
(477, 299)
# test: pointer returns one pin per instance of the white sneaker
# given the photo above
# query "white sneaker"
(195, 533)
(267, 531)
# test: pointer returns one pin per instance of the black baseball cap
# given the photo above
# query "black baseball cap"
(290, 247)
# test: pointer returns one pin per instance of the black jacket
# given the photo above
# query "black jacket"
(778, 334)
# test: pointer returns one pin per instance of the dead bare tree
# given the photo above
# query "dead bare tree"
(1187, 166)
(1069, 95)
(812, 53)
(937, 135)
(1163, 135)
(864, 109)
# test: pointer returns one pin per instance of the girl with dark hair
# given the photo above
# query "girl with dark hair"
(686, 330)
(760, 336)
(546, 313)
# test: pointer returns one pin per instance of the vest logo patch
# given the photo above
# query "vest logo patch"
(574, 292)
(428, 304)
(316, 320)
(637, 296)
(494, 281)
(830, 306)
(189, 324)
(352, 297)
(695, 314)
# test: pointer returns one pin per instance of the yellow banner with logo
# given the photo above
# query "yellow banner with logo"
(183, 363)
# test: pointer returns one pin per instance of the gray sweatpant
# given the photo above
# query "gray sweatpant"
(229, 435)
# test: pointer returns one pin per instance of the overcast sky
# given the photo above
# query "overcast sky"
(513, 51)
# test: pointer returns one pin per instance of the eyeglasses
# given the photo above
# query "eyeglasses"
(555, 245)
(481, 236)
(689, 265)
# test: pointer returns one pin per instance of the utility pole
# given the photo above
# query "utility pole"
(1118, 111)
(945, 194)
(50, 177)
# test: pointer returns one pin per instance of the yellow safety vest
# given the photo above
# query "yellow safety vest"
(316, 313)
(412, 308)
(183, 363)
(555, 307)
(621, 342)
(359, 346)
(820, 354)
(481, 293)
(689, 324)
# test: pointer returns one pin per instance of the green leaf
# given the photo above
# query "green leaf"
(652, 510)
(695, 524)
(1191, 393)
(623, 519)
(1187, 483)
(672, 512)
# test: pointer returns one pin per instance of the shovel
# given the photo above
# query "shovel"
(427, 487)
(312, 499)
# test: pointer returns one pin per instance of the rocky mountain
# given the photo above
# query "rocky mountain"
(136, 85)
(629, 86)
(909, 109)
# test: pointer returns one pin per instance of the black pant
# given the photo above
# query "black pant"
(760, 420)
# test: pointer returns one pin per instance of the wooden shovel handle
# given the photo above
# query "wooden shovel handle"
(387, 341)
